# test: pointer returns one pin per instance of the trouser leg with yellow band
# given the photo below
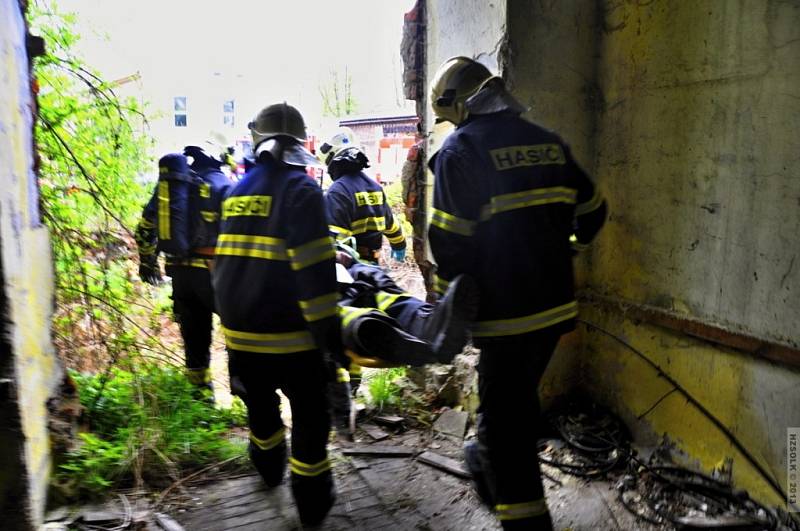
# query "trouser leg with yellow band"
(303, 378)
(193, 306)
(339, 396)
(509, 372)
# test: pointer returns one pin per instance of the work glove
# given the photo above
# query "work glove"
(398, 255)
(149, 271)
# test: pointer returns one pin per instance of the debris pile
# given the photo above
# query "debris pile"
(593, 443)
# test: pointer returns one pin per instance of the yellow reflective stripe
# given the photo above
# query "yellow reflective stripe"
(451, 223)
(205, 190)
(270, 442)
(385, 300)
(163, 210)
(188, 262)
(309, 470)
(528, 323)
(394, 228)
(269, 343)
(340, 232)
(440, 285)
(351, 312)
(146, 224)
(534, 197)
(398, 237)
(311, 253)
(355, 371)
(209, 216)
(251, 246)
(198, 376)
(518, 511)
(590, 205)
(374, 223)
(320, 307)
(342, 375)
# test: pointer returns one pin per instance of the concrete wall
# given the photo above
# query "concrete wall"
(688, 116)
(29, 363)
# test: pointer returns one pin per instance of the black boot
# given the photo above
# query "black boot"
(447, 328)
(314, 497)
(378, 338)
(270, 464)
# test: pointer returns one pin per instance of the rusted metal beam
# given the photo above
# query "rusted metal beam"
(747, 344)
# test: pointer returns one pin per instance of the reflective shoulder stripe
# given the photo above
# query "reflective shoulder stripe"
(198, 376)
(527, 198)
(342, 376)
(309, 470)
(340, 232)
(528, 323)
(270, 442)
(311, 253)
(251, 246)
(590, 205)
(518, 511)
(385, 300)
(451, 223)
(269, 343)
(163, 210)
(320, 307)
(440, 285)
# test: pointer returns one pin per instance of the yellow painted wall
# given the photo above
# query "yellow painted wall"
(26, 261)
(688, 116)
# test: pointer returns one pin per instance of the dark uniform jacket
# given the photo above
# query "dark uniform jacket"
(274, 274)
(510, 206)
(357, 206)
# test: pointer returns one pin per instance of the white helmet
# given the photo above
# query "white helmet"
(343, 138)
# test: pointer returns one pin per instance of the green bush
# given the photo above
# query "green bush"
(146, 427)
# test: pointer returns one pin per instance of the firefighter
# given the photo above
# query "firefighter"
(275, 286)
(192, 295)
(355, 203)
(509, 203)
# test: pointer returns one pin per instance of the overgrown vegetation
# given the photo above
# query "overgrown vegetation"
(145, 423)
(147, 428)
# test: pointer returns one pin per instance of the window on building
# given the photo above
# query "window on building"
(228, 113)
(179, 106)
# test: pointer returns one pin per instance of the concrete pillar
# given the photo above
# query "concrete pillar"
(28, 368)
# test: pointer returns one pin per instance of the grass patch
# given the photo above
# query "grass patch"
(146, 428)
(383, 387)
